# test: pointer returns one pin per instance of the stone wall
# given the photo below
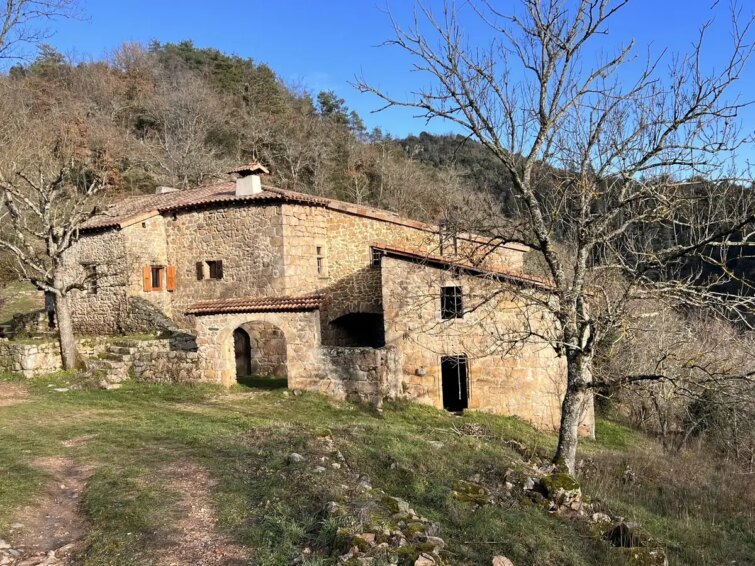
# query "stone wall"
(166, 360)
(37, 358)
(368, 375)
(511, 370)
(302, 340)
(268, 345)
(104, 310)
(247, 239)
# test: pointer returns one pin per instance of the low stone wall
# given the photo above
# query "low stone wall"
(32, 359)
(360, 374)
(166, 360)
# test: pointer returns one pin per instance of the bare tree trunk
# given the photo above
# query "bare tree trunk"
(65, 332)
(579, 375)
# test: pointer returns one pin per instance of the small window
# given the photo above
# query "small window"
(215, 269)
(90, 279)
(320, 254)
(451, 303)
(377, 258)
(157, 278)
(210, 269)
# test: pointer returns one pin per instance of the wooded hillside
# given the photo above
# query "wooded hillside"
(177, 115)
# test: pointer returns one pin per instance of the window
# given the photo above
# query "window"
(210, 269)
(321, 267)
(90, 279)
(215, 269)
(157, 278)
(377, 257)
(451, 303)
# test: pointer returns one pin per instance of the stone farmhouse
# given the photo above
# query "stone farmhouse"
(337, 298)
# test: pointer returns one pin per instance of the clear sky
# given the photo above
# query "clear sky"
(323, 44)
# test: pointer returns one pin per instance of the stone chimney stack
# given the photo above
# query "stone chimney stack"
(248, 178)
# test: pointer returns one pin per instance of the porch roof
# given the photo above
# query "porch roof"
(257, 304)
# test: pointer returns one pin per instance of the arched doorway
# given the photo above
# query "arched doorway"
(242, 349)
(261, 354)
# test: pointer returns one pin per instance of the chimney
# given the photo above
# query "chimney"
(248, 180)
(164, 190)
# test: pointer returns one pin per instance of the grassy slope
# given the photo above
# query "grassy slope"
(272, 506)
(17, 298)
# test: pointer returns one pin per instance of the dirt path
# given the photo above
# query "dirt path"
(50, 531)
(12, 394)
(194, 538)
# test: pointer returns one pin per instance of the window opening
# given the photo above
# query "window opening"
(451, 302)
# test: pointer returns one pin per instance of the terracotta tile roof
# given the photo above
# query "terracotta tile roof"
(440, 261)
(264, 304)
(135, 209)
(120, 213)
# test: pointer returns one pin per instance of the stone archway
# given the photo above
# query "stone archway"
(260, 350)
(297, 334)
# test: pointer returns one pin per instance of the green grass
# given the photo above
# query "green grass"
(243, 438)
(18, 298)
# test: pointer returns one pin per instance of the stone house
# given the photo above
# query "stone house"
(337, 298)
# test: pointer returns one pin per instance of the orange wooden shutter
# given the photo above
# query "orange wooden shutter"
(147, 277)
(171, 272)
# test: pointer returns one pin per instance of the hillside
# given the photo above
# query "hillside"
(223, 476)
(177, 115)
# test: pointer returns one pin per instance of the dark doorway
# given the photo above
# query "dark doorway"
(242, 348)
(363, 329)
(455, 380)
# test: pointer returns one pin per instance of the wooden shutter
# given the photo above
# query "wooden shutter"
(171, 277)
(200, 270)
(147, 277)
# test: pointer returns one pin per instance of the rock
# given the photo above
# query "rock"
(424, 560)
(364, 484)
(335, 466)
(470, 492)
(3, 544)
(436, 444)
(437, 542)
(15, 526)
(529, 484)
(508, 485)
(600, 518)
(333, 508)
(502, 561)
(295, 458)
(560, 488)
(61, 389)
(395, 504)
(319, 470)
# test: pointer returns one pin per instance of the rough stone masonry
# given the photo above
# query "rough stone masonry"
(337, 298)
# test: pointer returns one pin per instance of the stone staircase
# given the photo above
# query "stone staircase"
(113, 367)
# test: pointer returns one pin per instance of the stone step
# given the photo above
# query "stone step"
(123, 358)
(125, 350)
(125, 343)
(106, 364)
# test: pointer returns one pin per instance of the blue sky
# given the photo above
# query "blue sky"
(323, 44)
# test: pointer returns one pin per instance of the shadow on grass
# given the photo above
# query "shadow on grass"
(267, 383)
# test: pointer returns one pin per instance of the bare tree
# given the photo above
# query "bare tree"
(46, 197)
(21, 23)
(605, 161)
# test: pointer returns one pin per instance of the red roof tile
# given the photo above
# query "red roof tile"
(265, 304)
(123, 211)
(436, 260)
